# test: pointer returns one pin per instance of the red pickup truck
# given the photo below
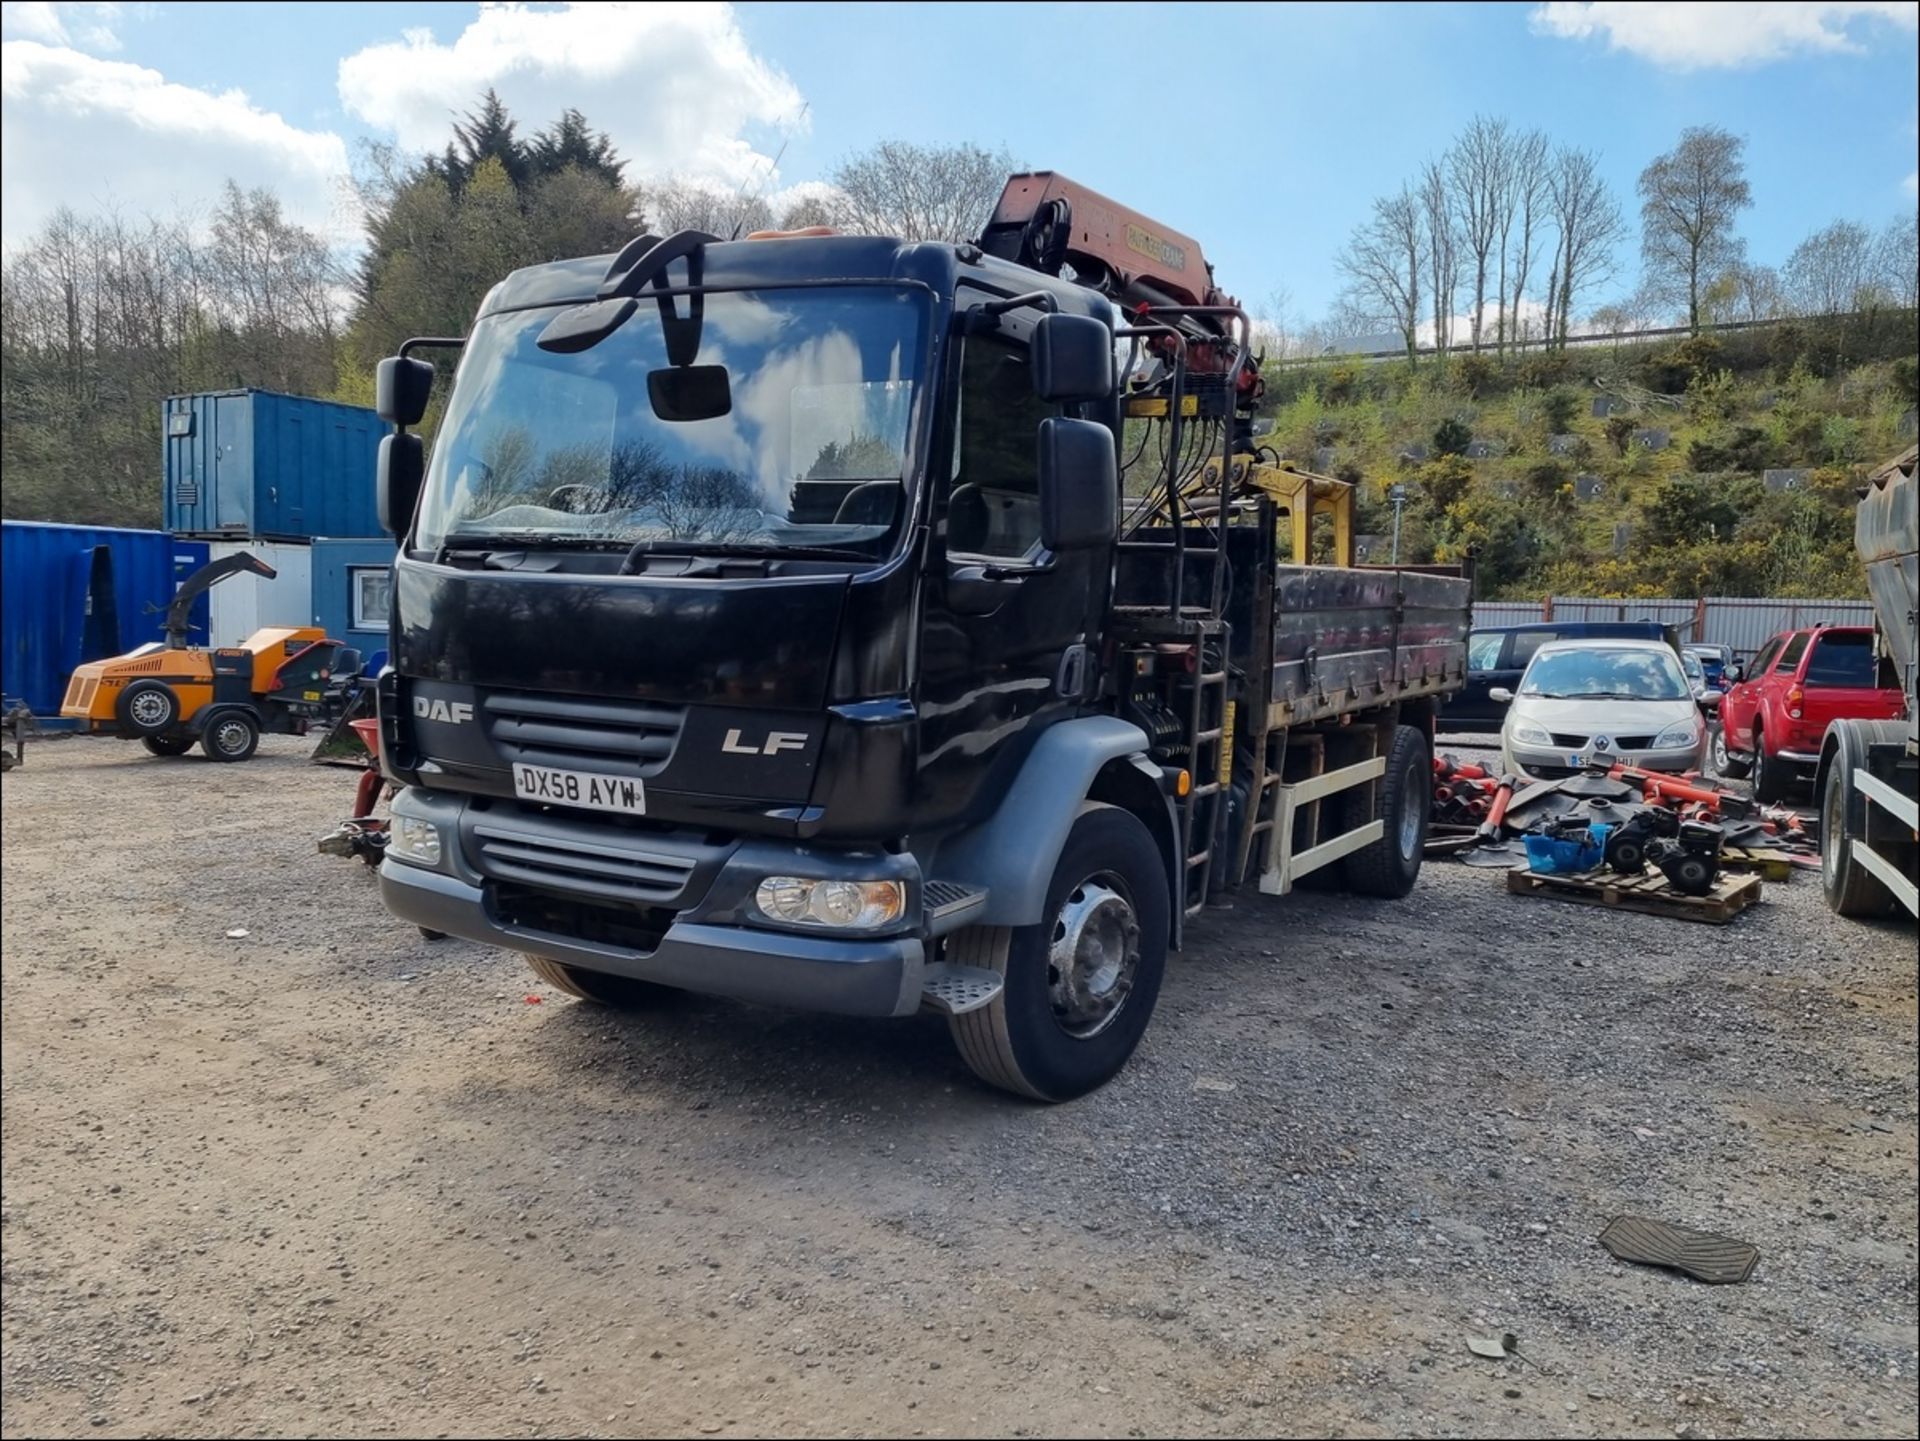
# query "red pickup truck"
(1773, 720)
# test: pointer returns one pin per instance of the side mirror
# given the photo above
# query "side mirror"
(402, 466)
(1500, 695)
(1079, 484)
(1736, 672)
(401, 389)
(1072, 358)
(1709, 699)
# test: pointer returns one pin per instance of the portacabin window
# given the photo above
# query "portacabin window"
(370, 588)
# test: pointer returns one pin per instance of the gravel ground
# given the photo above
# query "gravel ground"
(331, 1178)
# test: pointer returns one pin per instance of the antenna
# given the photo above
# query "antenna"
(741, 199)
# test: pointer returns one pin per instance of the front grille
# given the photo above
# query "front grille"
(1619, 743)
(632, 929)
(598, 860)
(80, 692)
(608, 736)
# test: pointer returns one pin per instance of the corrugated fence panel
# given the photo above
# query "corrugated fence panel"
(1492, 613)
(1680, 614)
(47, 619)
(1746, 625)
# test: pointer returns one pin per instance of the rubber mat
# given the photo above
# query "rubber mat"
(1717, 1260)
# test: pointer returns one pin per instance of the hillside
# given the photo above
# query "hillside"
(1709, 466)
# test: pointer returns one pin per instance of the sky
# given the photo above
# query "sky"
(1265, 140)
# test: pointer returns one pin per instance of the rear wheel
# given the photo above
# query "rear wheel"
(1079, 987)
(168, 745)
(1850, 888)
(621, 992)
(147, 708)
(1771, 776)
(1391, 865)
(230, 735)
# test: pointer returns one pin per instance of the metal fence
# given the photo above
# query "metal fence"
(1744, 623)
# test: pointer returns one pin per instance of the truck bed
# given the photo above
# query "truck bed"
(1315, 642)
(1347, 639)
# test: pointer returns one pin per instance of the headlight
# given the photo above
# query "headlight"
(846, 905)
(1531, 735)
(1677, 737)
(414, 840)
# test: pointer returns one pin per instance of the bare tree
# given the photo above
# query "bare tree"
(1438, 243)
(919, 192)
(1479, 169)
(674, 204)
(1756, 292)
(1896, 261)
(1689, 200)
(1832, 271)
(1529, 201)
(1275, 329)
(1383, 262)
(1590, 227)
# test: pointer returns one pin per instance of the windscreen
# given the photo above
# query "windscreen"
(1606, 675)
(803, 407)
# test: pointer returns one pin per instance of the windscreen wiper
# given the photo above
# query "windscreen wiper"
(736, 550)
(530, 540)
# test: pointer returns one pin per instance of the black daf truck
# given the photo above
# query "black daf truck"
(866, 626)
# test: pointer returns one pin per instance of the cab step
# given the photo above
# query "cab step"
(955, 990)
(951, 905)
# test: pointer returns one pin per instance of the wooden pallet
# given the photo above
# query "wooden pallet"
(1648, 892)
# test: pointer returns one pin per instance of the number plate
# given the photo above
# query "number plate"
(579, 788)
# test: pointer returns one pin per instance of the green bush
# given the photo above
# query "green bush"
(1544, 368)
(1748, 448)
(1475, 374)
(1620, 430)
(1545, 479)
(1452, 436)
(1559, 408)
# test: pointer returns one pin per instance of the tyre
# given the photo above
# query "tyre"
(1850, 888)
(1771, 778)
(1391, 865)
(168, 745)
(147, 708)
(1079, 987)
(230, 735)
(622, 992)
(1720, 760)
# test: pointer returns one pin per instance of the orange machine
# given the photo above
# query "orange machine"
(171, 695)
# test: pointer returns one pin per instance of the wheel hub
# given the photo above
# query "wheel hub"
(149, 708)
(1092, 958)
(230, 735)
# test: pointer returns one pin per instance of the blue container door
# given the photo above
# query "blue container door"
(191, 443)
(233, 468)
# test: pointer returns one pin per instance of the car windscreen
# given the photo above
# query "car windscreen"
(789, 430)
(1842, 659)
(1602, 674)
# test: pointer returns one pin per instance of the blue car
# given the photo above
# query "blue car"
(1716, 661)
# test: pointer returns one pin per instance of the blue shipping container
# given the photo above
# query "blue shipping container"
(353, 591)
(254, 465)
(74, 593)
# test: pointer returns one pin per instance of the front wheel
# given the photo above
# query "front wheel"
(147, 708)
(1079, 987)
(1720, 760)
(621, 992)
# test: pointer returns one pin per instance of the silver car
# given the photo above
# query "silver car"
(1586, 702)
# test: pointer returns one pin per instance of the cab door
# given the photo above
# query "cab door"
(1009, 634)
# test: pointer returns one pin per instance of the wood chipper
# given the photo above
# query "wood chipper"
(169, 694)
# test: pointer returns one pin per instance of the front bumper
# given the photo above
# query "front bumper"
(1547, 763)
(814, 973)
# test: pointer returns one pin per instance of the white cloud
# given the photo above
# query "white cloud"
(1718, 34)
(81, 131)
(92, 26)
(1912, 184)
(676, 86)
